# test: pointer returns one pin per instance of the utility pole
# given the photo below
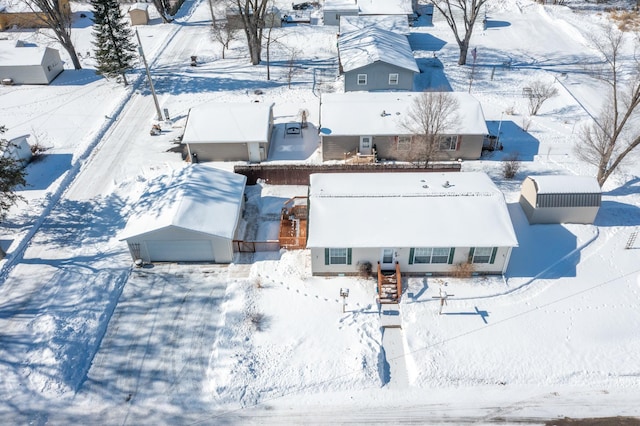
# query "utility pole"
(146, 67)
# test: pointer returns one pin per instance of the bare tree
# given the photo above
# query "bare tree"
(270, 40)
(292, 69)
(224, 34)
(611, 137)
(252, 14)
(430, 116)
(461, 16)
(511, 165)
(57, 17)
(164, 9)
(540, 92)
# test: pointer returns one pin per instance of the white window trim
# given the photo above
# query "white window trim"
(430, 255)
(332, 255)
(476, 256)
(450, 148)
(364, 83)
(397, 79)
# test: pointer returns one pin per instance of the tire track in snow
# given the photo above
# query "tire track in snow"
(84, 159)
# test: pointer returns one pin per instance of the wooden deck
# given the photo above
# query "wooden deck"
(293, 224)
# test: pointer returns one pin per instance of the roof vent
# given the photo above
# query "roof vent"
(446, 185)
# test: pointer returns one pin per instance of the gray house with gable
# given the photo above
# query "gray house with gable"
(374, 59)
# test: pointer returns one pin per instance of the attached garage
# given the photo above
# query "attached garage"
(190, 216)
(560, 199)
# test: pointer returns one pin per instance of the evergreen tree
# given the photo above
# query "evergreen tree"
(12, 174)
(114, 50)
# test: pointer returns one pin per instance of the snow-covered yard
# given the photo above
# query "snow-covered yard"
(85, 338)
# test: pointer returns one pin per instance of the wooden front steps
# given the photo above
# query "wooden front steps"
(389, 285)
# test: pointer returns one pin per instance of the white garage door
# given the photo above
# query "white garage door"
(180, 251)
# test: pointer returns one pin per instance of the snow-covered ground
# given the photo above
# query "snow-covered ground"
(86, 338)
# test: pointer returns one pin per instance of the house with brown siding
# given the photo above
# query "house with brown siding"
(17, 13)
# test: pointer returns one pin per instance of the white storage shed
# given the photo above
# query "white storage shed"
(18, 149)
(190, 216)
(560, 199)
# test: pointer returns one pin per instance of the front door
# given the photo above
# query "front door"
(365, 145)
(387, 260)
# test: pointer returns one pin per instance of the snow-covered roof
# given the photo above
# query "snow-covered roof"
(15, 6)
(386, 113)
(341, 5)
(196, 198)
(566, 184)
(364, 47)
(13, 53)
(385, 7)
(228, 122)
(407, 210)
(139, 6)
(393, 23)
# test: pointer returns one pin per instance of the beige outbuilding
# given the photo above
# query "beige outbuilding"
(560, 199)
(139, 13)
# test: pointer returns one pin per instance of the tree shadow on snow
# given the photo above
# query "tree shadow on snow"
(613, 213)
(46, 169)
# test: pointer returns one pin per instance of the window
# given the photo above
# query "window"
(448, 143)
(362, 79)
(431, 255)
(404, 143)
(393, 79)
(483, 254)
(337, 256)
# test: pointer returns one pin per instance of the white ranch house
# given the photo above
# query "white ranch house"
(229, 132)
(191, 216)
(396, 24)
(356, 122)
(426, 222)
(334, 10)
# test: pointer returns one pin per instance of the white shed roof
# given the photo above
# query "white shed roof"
(340, 5)
(361, 113)
(139, 6)
(393, 23)
(566, 184)
(228, 122)
(196, 198)
(360, 48)
(407, 210)
(385, 7)
(12, 53)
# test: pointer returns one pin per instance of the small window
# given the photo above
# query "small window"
(448, 143)
(482, 254)
(393, 79)
(362, 79)
(337, 256)
(422, 255)
(404, 143)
